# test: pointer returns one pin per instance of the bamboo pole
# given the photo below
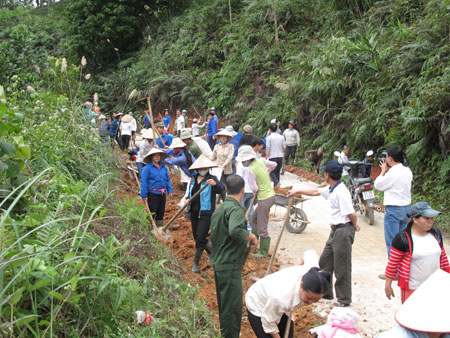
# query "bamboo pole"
(155, 132)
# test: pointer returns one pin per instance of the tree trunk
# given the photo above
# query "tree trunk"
(275, 22)
(229, 11)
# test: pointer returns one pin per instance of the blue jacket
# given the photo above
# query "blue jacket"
(167, 120)
(212, 126)
(147, 122)
(154, 178)
(179, 160)
(167, 138)
(207, 196)
(114, 125)
(235, 145)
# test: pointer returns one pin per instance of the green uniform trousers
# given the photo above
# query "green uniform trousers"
(229, 299)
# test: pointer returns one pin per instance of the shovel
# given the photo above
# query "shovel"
(247, 213)
(165, 229)
(286, 218)
(155, 231)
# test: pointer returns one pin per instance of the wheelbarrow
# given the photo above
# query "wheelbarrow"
(298, 220)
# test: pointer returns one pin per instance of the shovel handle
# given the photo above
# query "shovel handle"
(247, 213)
(286, 218)
(167, 226)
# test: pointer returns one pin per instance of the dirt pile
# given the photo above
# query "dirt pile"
(182, 244)
(304, 174)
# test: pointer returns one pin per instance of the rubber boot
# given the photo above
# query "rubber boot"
(264, 245)
(159, 223)
(198, 255)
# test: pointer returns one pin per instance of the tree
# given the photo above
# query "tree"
(104, 30)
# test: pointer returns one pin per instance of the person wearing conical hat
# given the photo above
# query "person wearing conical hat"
(179, 155)
(186, 136)
(145, 146)
(203, 206)
(426, 313)
(261, 186)
(155, 183)
(416, 252)
(127, 127)
(103, 130)
(223, 153)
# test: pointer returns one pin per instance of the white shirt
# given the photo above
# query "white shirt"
(243, 172)
(425, 259)
(144, 148)
(180, 122)
(278, 293)
(196, 129)
(292, 137)
(396, 184)
(126, 128)
(275, 144)
(343, 159)
(340, 202)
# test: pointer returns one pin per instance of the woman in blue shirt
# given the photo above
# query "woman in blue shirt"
(155, 183)
(181, 157)
(203, 206)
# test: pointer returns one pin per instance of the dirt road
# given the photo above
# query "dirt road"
(369, 256)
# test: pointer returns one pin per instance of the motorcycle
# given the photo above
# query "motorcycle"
(361, 190)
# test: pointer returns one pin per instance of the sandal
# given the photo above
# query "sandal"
(339, 304)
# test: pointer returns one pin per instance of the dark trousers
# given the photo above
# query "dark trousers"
(275, 174)
(257, 327)
(211, 142)
(157, 204)
(117, 138)
(229, 301)
(290, 152)
(337, 257)
(200, 229)
(126, 141)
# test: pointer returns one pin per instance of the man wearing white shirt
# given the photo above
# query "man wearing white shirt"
(337, 254)
(343, 158)
(395, 180)
(179, 122)
(275, 144)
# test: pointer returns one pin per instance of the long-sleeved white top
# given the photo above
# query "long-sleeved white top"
(278, 293)
(127, 128)
(292, 137)
(144, 149)
(396, 184)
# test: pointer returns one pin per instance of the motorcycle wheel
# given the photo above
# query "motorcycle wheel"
(367, 211)
(294, 223)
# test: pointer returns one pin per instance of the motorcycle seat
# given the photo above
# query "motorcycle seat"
(362, 180)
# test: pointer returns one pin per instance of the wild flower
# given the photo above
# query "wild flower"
(146, 7)
(83, 61)
(132, 94)
(30, 89)
(87, 76)
(64, 65)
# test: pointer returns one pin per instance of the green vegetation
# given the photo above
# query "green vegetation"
(75, 259)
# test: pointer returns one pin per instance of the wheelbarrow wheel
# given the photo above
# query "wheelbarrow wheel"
(295, 224)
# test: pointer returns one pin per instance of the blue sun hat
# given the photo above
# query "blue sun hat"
(422, 209)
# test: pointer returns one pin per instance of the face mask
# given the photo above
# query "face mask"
(176, 150)
(223, 141)
(203, 172)
(246, 163)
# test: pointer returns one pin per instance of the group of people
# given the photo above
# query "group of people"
(231, 165)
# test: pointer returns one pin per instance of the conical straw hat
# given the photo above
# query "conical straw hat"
(148, 134)
(230, 129)
(147, 158)
(102, 117)
(202, 162)
(127, 118)
(177, 143)
(225, 133)
(428, 308)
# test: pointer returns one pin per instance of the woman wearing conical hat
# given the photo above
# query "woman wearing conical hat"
(223, 154)
(203, 206)
(155, 183)
(179, 155)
